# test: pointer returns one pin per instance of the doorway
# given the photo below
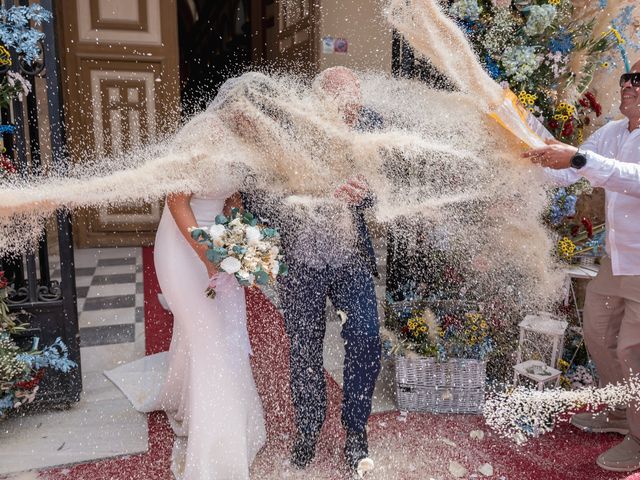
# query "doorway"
(215, 44)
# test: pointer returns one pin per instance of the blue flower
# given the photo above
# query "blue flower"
(465, 9)
(16, 31)
(540, 18)
(55, 356)
(493, 68)
(563, 43)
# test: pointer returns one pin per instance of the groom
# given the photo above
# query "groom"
(343, 272)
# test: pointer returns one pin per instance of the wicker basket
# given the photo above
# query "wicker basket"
(425, 385)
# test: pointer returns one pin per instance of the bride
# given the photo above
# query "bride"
(204, 382)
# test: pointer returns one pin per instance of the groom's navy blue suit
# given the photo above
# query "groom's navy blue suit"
(349, 286)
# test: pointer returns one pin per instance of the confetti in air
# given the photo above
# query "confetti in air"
(523, 413)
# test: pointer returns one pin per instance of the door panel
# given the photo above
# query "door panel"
(287, 37)
(121, 91)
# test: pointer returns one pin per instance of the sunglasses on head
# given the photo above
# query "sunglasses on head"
(634, 78)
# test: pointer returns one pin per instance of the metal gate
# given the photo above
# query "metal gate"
(42, 284)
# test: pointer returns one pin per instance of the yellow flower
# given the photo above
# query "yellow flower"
(554, 2)
(5, 56)
(563, 365)
(483, 325)
(566, 248)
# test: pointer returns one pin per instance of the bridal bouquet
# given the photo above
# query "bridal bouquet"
(241, 246)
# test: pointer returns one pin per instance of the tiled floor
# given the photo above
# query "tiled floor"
(111, 319)
(102, 424)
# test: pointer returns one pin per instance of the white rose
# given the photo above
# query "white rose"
(253, 235)
(235, 222)
(274, 251)
(216, 231)
(230, 265)
(275, 268)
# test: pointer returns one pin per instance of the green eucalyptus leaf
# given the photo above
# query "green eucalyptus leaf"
(269, 232)
(199, 235)
(239, 250)
(217, 254)
(284, 269)
(262, 277)
(221, 220)
(248, 218)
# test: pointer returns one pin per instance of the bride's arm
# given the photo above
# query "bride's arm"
(180, 208)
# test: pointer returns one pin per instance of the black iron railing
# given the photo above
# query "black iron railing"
(42, 283)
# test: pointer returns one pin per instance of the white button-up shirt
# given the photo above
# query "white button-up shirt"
(613, 163)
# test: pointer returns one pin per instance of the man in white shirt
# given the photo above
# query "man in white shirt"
(610, 159)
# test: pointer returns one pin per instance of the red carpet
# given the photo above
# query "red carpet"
(414, 449)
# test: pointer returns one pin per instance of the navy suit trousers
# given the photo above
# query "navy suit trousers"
(303, 294)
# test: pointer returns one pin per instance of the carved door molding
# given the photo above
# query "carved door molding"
(121, 89)
(285, 34)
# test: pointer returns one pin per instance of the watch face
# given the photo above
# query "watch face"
(578, 161)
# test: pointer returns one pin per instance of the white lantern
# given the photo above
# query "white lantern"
(541, 342)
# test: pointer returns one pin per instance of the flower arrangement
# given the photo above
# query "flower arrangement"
(458, 332)
(21, 370)
(240, 246)
(584, 240)
(16, 30)
(13, 85)
(6, 167)
(538, 50)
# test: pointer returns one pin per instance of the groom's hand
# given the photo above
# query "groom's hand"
(353, 192)
(556, 155)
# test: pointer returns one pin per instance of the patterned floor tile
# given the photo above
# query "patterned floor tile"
(81, 292)
(116, 278)
(116, 289)
(83, 281)
(97, 318)
(116, 269)
(107, 335)
(112, 262)
(105, 303)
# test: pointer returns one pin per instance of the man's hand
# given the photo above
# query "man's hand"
(353, 192)
(556, 155)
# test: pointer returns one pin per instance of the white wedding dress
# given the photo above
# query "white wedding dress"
(204, 382)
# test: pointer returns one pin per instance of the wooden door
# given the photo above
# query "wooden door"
(285, 34)
(121, 89)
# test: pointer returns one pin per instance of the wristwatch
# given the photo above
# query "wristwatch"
(579, 160)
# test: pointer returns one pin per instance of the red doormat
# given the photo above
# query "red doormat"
(419, 446)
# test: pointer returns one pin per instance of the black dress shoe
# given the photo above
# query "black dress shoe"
(356, 452)
(304, 449)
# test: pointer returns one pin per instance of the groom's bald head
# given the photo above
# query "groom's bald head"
(342, 85)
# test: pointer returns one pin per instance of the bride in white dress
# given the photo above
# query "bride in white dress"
(204, 382)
